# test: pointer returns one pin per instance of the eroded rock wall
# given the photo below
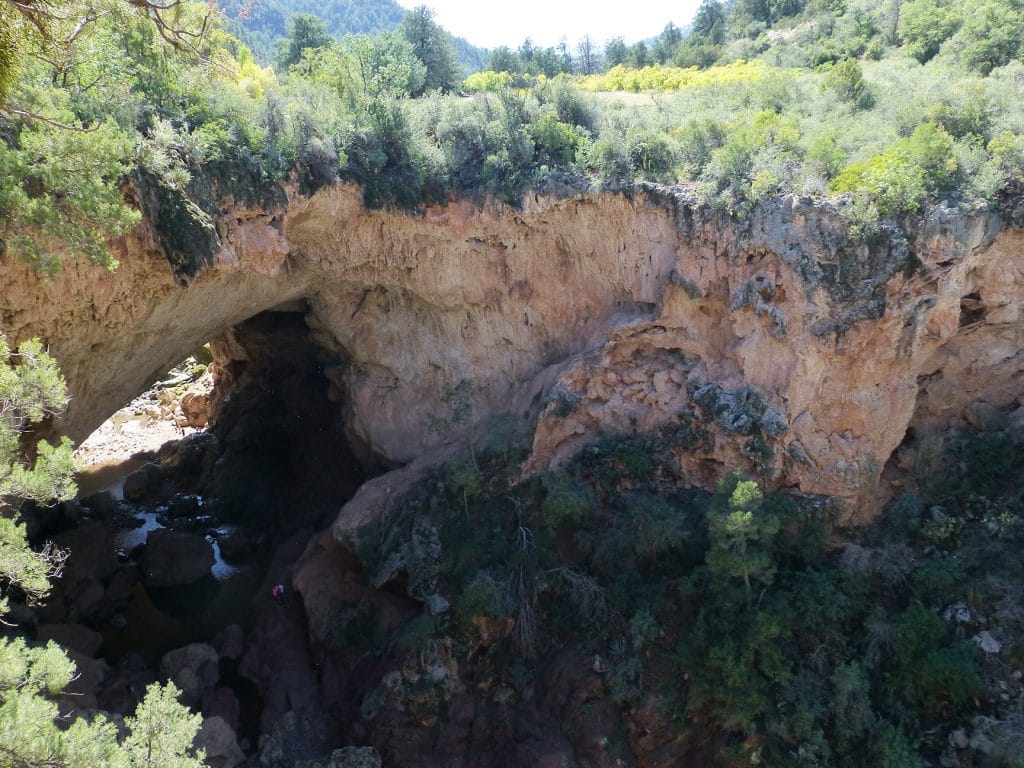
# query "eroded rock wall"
(772, 344)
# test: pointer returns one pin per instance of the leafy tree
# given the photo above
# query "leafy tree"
(924, 25)
(433, 46)
(305, 31)
(616, 52)
(504, 59)
(709, 22)
(665, 46)
(29, 26)
(990, 36)
(387, 64)
(31, 391)
(162, 731)
(847, 79)
(638, 55)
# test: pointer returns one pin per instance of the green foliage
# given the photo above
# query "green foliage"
(554, 142)
(826, 154)
(58, 193)
(937, 680)
(305, 32)
(900, 179)
(924, 25)
(487, 81)
(434, 48)
(741, 533)
(847, 79)
(752, 162)
(566, 501)
(990, 36)
(463, 478)
(895, 751)
(387, 65)
(162, 731)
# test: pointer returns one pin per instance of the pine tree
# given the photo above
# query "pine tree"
(741, 533)
(161, 734)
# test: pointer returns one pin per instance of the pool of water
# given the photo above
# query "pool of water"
(161, 619)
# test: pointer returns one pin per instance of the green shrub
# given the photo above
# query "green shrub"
(902, 177)
(937, 680)
(847, 80)
(566, 500)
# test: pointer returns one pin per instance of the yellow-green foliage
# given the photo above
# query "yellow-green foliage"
(251, 77)
(900, 178)
(9, 48)
(659, 78)
(487, 81)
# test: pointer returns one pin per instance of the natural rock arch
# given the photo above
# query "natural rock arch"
(615, 311)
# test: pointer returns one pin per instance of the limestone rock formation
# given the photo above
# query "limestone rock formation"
(774, 344)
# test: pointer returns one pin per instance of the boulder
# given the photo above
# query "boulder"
(142, 484)
(236, 544)
(220, 743)
(194, 668)
(102, 504)
(297, 736)
(74, 636)
(222, 703)
(349, 757)
(173, 558)
(230, 642)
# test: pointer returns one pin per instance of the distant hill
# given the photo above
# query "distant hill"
(267, 22)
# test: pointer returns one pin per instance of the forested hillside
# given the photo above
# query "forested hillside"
(264, 23)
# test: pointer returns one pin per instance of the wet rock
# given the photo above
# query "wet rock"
(236, 544)
(142, 484)
(185, 505)
(103, 505)
(74, 636)
(173, 558)
(21, 615)
(220, 743)
(121, 588)
(73, 512)
(194, 669)
(125, 685)
(41, 520)
(86, 600)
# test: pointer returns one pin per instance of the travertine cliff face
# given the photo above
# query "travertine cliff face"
(772, 344)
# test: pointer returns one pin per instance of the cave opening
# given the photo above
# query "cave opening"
(175, 552)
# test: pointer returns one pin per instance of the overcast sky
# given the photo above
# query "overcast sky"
(490, 24)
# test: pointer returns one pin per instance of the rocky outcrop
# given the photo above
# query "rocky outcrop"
(774, 344)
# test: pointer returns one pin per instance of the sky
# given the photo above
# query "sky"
(491, 24)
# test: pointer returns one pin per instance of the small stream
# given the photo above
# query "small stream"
(160, 619)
